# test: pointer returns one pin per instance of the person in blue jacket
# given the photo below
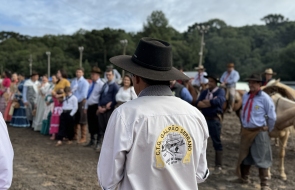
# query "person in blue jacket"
(210, 104)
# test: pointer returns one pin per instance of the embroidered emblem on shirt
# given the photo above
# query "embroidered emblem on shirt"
(256, 107)
(174, 145)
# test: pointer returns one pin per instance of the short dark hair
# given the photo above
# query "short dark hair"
(110, 70)
(63, 73)
(80, 69)
(67, 89)
(7, 74)
(155, 82)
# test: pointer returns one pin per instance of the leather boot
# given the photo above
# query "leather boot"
(245, 171)
(264, 179)
(99, 144)
(77, 128)
(218, 162)
(91, 142)
(83, 134)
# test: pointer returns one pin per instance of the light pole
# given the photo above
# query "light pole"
(31, 61)
(124, 43)
(48, 63)
(203, 29)
(81, 48)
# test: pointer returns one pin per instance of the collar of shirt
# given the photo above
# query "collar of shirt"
(258, 93)
(156, 90)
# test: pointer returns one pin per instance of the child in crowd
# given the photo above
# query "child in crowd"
(57, 110)
(67, 121)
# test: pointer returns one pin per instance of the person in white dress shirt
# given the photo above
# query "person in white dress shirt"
(92, 104)
(6, 157)
(126, 92)
(200, 80)
(157, 141)
(67, 118)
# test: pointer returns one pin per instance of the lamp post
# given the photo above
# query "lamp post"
(48, 63)
(81, 48)
(203, 29)
(124, 43)
(30, 64)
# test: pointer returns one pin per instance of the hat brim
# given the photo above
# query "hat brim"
(209, 76)
(270, 73)
(95, 72)
(197, 68)
(253, 79)
(125, 62)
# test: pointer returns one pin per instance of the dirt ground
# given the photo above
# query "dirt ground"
(39, 165)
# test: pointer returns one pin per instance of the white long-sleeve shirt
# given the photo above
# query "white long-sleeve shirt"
(200, 79)
(156, 141)
(70, 103)
(125, 95)
(6, 157)
(94, 96)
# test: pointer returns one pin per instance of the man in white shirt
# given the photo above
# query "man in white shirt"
(30, 94)
(200, 80)
(6, 156)
(92, 104)
(156, 141)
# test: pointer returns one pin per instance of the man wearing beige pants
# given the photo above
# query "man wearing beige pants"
(229, 80)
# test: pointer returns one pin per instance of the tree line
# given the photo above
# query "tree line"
(252, 48)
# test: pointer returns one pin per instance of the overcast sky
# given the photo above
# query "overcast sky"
(39, 17)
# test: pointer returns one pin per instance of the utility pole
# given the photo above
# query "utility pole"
(31, 62)
(124, 43)
(48, 63)
(203, 29)
(81, 48)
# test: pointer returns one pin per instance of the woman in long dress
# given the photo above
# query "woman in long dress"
(49, 108)
(13, 90)
(4, 91)
(19, 117)
(41, 105)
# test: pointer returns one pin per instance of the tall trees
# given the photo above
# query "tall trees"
(251, 48)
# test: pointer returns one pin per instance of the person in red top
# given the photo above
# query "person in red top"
(4, 90)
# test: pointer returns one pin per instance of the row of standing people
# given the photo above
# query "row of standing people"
(63, 109)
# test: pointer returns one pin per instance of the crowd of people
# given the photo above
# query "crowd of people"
(157, 135)
(62, 109)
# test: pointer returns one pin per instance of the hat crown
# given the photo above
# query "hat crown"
(269, 70)
(153, 54)
(95, 70)
(255, 77)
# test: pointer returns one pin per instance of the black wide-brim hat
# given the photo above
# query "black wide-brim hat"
(215, 77)
(254, 77)
(152, 60)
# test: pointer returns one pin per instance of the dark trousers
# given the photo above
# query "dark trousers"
(214, 127)
(66, 126)
(103, 119)
(92, 120)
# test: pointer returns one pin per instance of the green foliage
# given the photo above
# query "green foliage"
(252, 48)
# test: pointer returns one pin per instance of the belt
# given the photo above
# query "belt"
(212, 118)
(66, 111)
(263, 128)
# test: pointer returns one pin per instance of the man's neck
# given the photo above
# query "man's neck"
(211, 89)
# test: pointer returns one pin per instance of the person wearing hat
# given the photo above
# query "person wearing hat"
(79, 87)
(157, 141)
(210, 103)
(180, 91)
(229, 80)
(258, 117)
(92, 104)
(200, 80)
(268, 73)
(30, 94)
